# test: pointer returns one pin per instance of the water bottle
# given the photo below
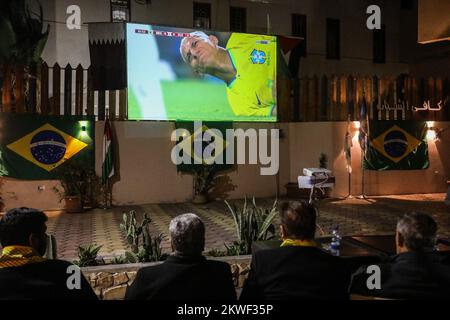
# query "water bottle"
(335, 244)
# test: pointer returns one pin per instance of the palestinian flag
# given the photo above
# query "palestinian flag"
(108, 153)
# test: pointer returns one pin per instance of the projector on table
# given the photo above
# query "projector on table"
(316, 172)
(316, 178)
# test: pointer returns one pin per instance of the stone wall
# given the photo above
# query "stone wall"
(110, 282)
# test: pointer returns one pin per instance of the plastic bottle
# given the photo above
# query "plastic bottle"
(335, 239)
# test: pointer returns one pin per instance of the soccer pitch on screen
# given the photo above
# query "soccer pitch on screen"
(187, 75)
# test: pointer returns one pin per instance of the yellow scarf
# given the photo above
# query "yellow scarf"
(16, 256)
(298, 243)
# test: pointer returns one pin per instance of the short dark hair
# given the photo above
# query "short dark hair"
(187, 233)
(418, 231)
(298, 219)
(18, 224)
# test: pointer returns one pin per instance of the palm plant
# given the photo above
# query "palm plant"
(22, 39)
(252, 223)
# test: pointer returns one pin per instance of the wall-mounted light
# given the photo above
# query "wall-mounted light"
(435, 133)
(83, 128)
(431, 134)
(355, 129)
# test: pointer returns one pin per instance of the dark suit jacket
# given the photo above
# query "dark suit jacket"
(184, 278)
(292, 272)
(409, 276)
(45, 280)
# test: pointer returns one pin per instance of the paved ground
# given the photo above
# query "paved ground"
(378, 215)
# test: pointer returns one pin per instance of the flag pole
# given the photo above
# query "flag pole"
(108, 191)
(363, 192)
(363, 152)
(108, 180)
(347, 151)
(106, 194)
(349, 195)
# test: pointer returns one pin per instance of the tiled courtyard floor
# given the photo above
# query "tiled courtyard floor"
(378, 215)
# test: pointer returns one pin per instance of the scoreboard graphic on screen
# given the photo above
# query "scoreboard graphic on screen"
(187, 75)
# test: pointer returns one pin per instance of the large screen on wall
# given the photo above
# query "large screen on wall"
(186, 74)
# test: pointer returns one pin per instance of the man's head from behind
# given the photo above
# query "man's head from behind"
(199, 51)
(187, 233)
(24, 227)
(416, 232)
(298, 220)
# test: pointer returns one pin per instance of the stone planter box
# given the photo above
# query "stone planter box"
(110, 282)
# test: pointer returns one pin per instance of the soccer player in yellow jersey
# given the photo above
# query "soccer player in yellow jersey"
(247, 65)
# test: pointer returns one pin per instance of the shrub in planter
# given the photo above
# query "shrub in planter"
(80, 187)
(252, 223)
(204, 181)
(73, 204)
(87, 256)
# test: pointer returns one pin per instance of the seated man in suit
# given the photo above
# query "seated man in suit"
(24, 273)
(416, 272)
(186, 274)
(299, 269)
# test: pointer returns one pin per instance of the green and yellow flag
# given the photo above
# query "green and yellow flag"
(397, 145)
(200, 157)
(32, 146)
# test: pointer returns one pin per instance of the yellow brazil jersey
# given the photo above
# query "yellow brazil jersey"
(253, 91)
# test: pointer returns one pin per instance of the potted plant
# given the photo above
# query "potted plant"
(204, 181)
(323, 161)
(95, 191)
(74, 182)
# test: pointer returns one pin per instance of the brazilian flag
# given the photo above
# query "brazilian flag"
(397, 145)
(33, 146)
(196, 133)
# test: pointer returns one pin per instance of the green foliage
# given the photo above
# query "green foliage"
(88, 255)
(323, 161)
(204, 178)
(78, 181)
(51, 251)
(119, 260)
(21, 33)
(132, 229)
(237, 249)
(137, 234)
(95, 191)
(2, 204)
(148, 252)
(216, 253)
(252, 223)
